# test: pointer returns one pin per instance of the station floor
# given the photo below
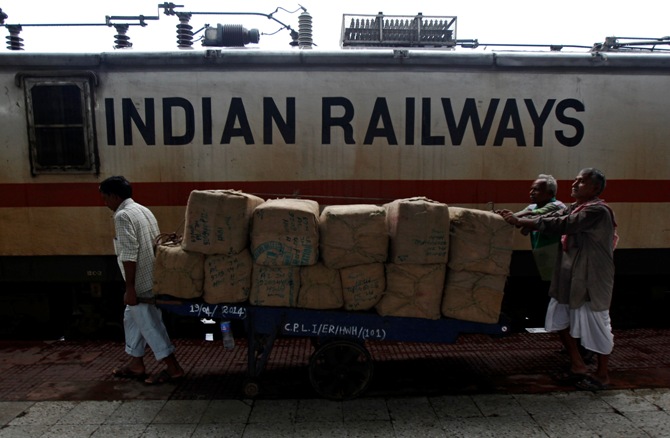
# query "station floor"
(477, 386)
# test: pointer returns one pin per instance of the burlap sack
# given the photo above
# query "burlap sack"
(320, 287)
(274, 285)
(353, 235)
(362, 285)
(227, 278)
(481, 241)
(473, 296)
(413, 291)
(285, 232)
(177, 272)
(217, 221)
(418, 231)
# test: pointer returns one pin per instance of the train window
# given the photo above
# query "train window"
(60, 125)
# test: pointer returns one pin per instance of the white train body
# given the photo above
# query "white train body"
(362, 126)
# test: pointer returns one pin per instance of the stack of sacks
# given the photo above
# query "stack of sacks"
(473, 296)
(217, 221)
(320, 287)
(177, 272)
(354, 240)
(413, 291)
(217, 230)
(480, 251)
(362, 285)
(227, 277)
(419, 233)
(275, 285)
(284, 237)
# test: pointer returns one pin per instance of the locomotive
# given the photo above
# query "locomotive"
(470, 129)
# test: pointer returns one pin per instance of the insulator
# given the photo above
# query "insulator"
(14, 41)
(236, 36)
(231, 35)
(305, 31)
(184, 32)
(350, 30)
(121, 40)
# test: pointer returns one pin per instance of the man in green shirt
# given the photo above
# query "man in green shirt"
(545, 247)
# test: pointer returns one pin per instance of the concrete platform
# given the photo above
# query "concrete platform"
(478, 386)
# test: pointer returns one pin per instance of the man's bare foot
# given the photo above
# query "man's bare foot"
(165, 377)
(591, 383)
(128, 372)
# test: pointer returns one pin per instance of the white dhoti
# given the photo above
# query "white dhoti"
(594, 329)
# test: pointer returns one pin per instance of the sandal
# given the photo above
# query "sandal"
(163, 377)
(127, 373)
(588, 383)
(568, 378)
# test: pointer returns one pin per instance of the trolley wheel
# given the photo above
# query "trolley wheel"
(340, 370)
(251, 388)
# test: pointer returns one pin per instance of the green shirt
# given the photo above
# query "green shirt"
(545, 246)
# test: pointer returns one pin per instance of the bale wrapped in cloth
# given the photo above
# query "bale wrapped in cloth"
(217, 221)
(285, 232)
(473, 296)
(353, 235)
(274, 285)
(480, 251)
(177, 272)
(320, 287)
(227, 278)
(413, 291)
(418, 231)
(362, 285)
(481, 241)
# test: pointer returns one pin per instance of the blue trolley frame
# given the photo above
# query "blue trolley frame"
(264, 324)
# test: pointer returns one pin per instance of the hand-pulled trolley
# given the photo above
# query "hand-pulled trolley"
(340, 367)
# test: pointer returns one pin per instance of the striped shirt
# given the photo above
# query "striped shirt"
(136, 228)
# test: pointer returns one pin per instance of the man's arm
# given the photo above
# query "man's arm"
(130, 296)
(513, 219)
(127, 251)
(550, 207)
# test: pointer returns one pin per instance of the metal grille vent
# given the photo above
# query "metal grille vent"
(398, 31)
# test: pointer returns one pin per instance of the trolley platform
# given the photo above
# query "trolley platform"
(340, 367)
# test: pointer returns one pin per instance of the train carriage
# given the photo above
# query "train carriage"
(470, 129)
